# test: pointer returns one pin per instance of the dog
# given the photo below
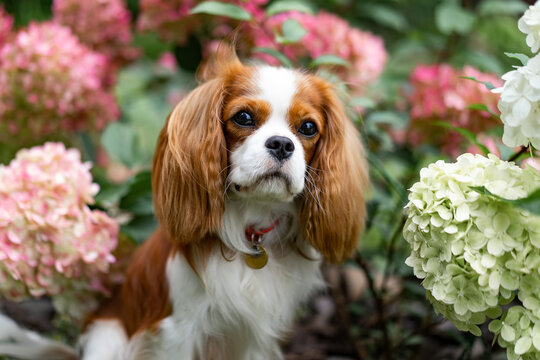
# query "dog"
(258, 176)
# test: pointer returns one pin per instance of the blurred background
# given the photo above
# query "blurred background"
(101, 77)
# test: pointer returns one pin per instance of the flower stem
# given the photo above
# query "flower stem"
(518, 153)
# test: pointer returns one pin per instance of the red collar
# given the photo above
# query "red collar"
(254, 236)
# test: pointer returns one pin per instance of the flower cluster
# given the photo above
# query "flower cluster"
(330, 34)
(520, 95)
(473, 251)
(172, 20)
(102, 25)
(50, 83)
(440, 93)
(6, 25)
(520, 104)
(519, 332)
(529, 24)
(51, 242)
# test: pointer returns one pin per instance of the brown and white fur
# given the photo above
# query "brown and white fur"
(188, 292)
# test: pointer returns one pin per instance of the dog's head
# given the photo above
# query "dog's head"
(266, 134)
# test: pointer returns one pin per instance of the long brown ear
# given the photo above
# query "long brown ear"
(333, 209)
(188, 177)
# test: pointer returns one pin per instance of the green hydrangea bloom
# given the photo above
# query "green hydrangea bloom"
(474, 252)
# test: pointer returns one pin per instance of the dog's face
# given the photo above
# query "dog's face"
(261, 133)
(272, 126)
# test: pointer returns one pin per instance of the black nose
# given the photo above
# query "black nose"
(280, 147)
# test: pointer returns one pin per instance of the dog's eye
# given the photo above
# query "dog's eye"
(243, 118)
(308, 128)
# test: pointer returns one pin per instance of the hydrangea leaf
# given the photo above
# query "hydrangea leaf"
(221, 9)
(451, 17)
(467, 134)
(329, 59)
(483, 107)
(293, 32)
(487, 84)
(284, 60)
(501, 7)
(521, 57)
(284, 6)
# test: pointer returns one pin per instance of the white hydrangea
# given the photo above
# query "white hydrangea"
(474, 252)
(520, 105)
(529, 24)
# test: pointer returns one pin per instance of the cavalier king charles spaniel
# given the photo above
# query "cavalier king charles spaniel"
(258, 176)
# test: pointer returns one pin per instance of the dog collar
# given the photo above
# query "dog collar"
(254, 236)
(259, 259)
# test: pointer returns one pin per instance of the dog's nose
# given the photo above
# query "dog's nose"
(280, 147)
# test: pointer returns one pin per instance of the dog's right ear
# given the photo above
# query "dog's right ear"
(188, 176)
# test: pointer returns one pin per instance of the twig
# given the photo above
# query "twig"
(379, 303)
(341, 303)
(518, 153)
(391, 250)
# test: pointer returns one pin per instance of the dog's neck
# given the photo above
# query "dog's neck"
(242, 214)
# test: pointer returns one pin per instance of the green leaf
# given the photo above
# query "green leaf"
(284, 60)
(530, 203)
(393, 118)
(221, 9)
(293, 32)
(385, 15)
(151, 44)
(521, 57)
(138, 198)
(284, 6)
(394, 184)
(469, 135)
(501, 7)
(488, 84)
(451, 17)
(140, 228)
(120, 142)
(111, 193)
(329, 59)
(363, 102)
(483, 107)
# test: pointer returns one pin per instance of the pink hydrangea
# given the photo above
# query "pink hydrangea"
(51, 84)
(6, 25)
(172, 21)
(329, 34)
(102, 25)
(167, 62)
(439, 93)
(51, 242)
(489, 142)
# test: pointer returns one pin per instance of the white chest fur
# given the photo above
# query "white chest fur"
(241, 312)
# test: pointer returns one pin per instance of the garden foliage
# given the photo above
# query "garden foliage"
(85, 87)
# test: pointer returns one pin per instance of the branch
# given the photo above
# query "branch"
(519, 153)
(379, 303)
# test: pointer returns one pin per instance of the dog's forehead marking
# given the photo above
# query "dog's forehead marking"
(277, 86)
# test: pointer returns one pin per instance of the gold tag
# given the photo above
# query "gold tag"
(257, 261)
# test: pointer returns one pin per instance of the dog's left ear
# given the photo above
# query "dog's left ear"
(333, 209)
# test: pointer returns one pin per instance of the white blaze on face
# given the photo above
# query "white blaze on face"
(252, 160)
